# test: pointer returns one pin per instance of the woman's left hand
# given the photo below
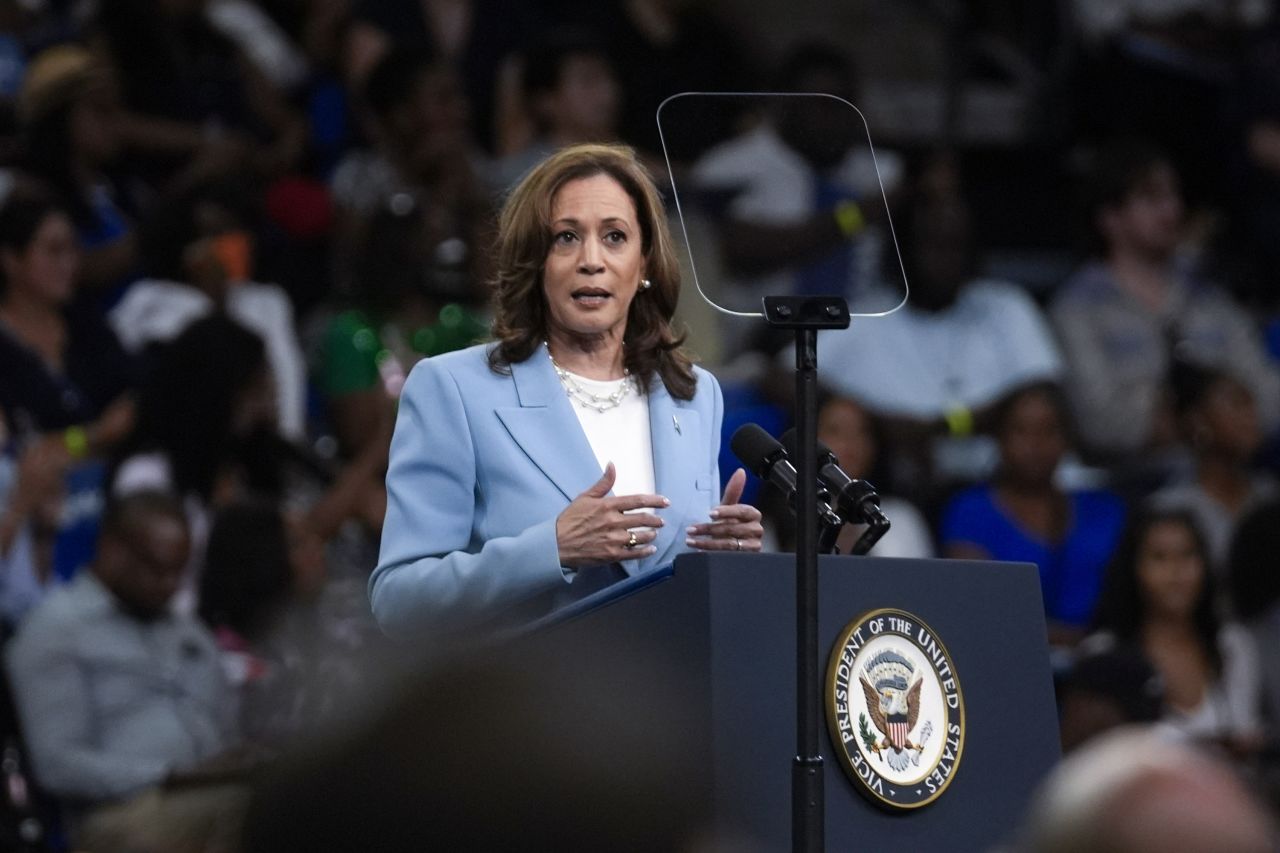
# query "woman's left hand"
(733, 527)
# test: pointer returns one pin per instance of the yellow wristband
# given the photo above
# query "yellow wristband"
(960, 421)
(77, 441)
(849, 218)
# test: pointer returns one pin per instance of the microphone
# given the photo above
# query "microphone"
(767, 459)
(856, 501)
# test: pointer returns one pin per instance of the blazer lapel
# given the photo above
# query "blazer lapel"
(678, 457)
(546, 428)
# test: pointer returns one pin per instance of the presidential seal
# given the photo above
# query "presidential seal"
(894, 709)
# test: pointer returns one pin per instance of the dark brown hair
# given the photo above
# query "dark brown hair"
(524, 239)
(1122, 607)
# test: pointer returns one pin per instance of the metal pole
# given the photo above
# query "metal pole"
(807, 807)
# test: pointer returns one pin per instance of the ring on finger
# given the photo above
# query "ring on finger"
(737, 544)
(632, 541)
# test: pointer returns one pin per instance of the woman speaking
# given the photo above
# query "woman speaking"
(577, 448)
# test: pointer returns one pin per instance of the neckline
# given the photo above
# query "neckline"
(612, 383)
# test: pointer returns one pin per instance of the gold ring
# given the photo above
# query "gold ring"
(632, 541)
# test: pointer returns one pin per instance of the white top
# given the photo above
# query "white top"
(155, 310)
(264, 43)
(919, 364)
(619, 435)
(1231, 706)
(776, 186)
(908, 534)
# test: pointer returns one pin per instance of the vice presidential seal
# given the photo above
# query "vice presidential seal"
(894, 709)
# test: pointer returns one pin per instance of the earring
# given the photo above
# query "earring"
(645, 284)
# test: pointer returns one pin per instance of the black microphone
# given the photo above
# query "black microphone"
(856, 501)
(767, 459)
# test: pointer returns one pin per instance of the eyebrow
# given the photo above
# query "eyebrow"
(568, 220)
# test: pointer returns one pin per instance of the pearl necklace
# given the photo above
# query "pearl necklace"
(588, 399)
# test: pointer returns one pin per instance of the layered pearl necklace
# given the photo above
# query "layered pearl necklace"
(589, 399)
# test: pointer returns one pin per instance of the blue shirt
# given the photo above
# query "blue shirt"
(1071, 570)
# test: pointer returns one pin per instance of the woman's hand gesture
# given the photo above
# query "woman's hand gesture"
(733, 527)
(596, 529)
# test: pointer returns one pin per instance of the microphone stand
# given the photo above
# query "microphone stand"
(806, 315)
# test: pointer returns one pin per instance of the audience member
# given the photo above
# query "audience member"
(661, 47)
(855, 438)
(1218, 416)
(206, 429)
(473, 38)
(195, 103)
(802, 186)
(414, 224)
(116, 692)
(1254, 592)
(65, 382)
(1022, 514)
(261, 580)
(1124, 315)
(1136, 792)
(1159, 600)
(1251, 186)
(60, 369)
(935, 367)
(198, 254)
(71, 135)
(569, 94)
(16, 23)
(1165, 70)
(422, 175)
(31, 493)
(1106, 690)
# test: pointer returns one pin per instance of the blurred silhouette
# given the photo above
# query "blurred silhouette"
(1218, 416)
(1135, 792)
(1125, 314)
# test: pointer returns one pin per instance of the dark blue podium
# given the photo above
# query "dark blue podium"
(719, 630)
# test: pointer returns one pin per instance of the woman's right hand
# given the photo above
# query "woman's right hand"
(595, 529)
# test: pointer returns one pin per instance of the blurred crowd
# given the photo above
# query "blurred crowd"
(229, 228)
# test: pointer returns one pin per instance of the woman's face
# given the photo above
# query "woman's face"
(1032, 441)
(845, 428)
(1170, 570)
(595, 262)
(46, 270)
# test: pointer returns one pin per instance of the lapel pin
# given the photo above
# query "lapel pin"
(676, 421)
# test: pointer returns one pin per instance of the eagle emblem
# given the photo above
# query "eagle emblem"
(892, 689)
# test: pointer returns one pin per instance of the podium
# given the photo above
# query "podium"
(719, 629)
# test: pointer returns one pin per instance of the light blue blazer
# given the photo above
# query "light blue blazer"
(481, 466)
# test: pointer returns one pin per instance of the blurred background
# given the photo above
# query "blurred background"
(229, 228)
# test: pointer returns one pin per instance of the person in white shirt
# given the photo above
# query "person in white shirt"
(200, 258)
(936, 368)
